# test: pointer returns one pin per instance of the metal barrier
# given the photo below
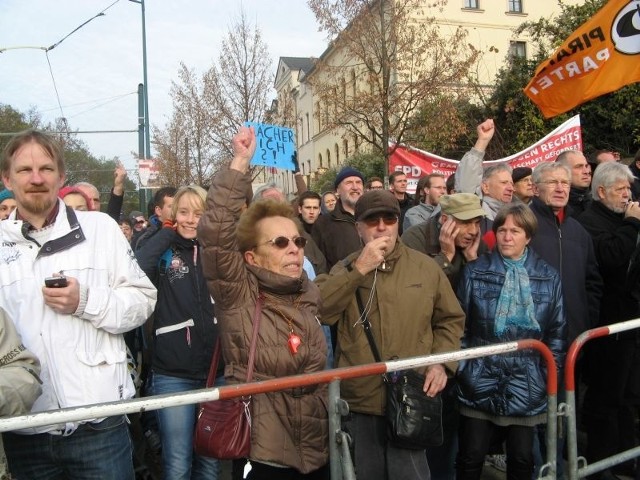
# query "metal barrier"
(578, 467)
(339, 441)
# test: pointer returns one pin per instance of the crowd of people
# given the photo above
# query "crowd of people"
(136, 304)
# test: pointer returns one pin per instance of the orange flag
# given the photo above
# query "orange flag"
(601, 56)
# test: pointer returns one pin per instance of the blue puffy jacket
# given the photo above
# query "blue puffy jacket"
(512, 384)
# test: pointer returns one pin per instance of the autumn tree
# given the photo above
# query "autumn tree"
(611, 121)
(400, 60)
(209, 108)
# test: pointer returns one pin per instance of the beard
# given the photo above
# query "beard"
(37, 205)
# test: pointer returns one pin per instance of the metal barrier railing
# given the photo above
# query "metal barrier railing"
(338, 439)
(578, 467)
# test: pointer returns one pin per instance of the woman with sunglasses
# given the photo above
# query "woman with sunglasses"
(258, 257)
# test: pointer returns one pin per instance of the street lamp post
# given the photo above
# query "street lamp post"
(147, 152)
(145, 93)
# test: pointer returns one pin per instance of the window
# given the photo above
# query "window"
(308, 127)
(518, 49)
(345, 148)
(328, 158)
(337, 149)
(515, 6)
(320, 160)
(475, 4)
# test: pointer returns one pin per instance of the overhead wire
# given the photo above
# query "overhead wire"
(51, 47)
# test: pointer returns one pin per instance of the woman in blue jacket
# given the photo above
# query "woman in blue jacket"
(184, 331)
(508, 295)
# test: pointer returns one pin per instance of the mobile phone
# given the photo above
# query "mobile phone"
(55, 282)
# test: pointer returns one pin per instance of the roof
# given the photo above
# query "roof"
(298, 63)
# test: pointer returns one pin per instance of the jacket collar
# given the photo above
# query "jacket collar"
(279, 284)
(67, 232)
(340, 214)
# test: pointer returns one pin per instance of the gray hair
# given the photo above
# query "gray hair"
(494, 169)
(544, 167)
(260, 191)
(607, 174)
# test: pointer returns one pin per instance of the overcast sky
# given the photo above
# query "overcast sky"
(97, 69)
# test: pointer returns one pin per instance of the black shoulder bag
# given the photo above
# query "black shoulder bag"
(414, 420)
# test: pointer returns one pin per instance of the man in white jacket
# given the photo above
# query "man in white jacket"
(75, 328)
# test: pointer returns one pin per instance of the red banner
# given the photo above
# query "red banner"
(417, 163)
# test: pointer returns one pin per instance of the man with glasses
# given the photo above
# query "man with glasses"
(563, 243)
(579, 193)
(412, 310)
(374, 183)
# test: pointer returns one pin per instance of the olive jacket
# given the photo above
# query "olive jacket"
(413, 312)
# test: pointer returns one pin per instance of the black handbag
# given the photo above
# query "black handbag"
(414, 420)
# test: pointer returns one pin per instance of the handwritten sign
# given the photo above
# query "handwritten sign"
(275, 146)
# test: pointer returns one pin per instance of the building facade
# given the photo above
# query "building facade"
(302, 101)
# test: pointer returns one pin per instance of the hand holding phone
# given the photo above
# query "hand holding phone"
(55, 282)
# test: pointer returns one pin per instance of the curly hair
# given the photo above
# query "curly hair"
(247, 231)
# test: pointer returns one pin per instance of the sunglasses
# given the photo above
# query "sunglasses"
(387, 218)
(283, 242)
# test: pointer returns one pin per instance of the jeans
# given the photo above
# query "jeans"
(375, 459)
(95, 451)
(476, 436)
(177, 425)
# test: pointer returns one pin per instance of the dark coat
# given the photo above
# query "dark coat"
(567, 247)
(173, 264)
(508, 384)
(635, 186)
(615, 240)
(579, 201)
(335, 235)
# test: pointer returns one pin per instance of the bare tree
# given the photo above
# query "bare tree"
(390, 58)
(208, 109)
(238, 86)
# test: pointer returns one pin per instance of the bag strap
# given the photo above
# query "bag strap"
(367, 328)
(215, 359)
(211, 378)
(257, 315)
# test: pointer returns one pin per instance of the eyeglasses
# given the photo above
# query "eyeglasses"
(374, 220)
(283, 242)
(555, 183)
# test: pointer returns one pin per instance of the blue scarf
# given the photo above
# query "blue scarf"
(515, 304)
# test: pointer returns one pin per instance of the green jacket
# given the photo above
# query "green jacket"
(413, 312)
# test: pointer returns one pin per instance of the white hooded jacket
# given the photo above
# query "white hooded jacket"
(83, 356)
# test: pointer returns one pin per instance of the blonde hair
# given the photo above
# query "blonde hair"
(192, 190)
